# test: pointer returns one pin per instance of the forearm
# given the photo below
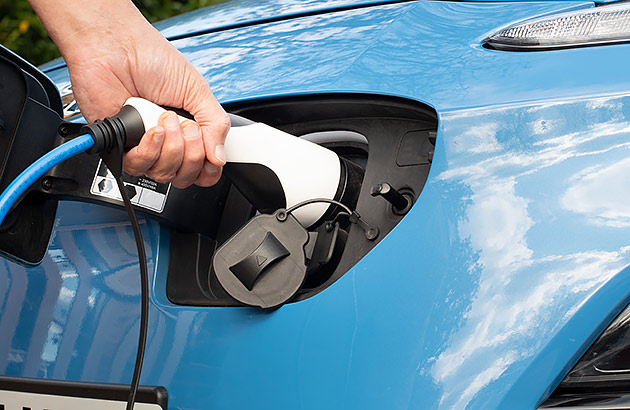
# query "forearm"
(78, 27)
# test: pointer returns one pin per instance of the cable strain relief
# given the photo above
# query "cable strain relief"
(125, 128)
(106, 134)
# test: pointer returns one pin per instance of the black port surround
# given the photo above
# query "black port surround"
(395, 143)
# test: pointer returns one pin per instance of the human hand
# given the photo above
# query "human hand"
(121, 56)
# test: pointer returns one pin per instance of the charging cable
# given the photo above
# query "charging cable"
(38, 168)
(106, 138)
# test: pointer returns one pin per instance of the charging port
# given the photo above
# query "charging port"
(390, 139)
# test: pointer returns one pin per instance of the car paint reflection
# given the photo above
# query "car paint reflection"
(508, 265)
(527, 289)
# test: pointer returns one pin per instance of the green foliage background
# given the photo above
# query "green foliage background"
(22, 32)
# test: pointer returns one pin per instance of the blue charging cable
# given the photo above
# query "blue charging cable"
(107, 136)
(38, 168)
(102, 135)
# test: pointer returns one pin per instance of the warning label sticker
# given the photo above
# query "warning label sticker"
(143, 191)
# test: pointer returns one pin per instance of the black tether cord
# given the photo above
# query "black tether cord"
(319, 200)
(144, 291)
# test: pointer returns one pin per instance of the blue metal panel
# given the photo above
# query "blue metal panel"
(235, 13)
(239, 12)
(507, 267)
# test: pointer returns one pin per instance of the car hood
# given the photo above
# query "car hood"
(239, 13)
(233, 14)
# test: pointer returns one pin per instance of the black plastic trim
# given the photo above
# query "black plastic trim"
(258, 183)
(29, 118)
(106, 391)
(497, 46)
(52, 97)
(591, 401)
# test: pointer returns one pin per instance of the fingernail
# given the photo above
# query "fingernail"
(210, 168)
(191, 132)
(158, 135)
(171, 121)
(219, 153)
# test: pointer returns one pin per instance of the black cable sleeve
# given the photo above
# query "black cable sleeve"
(125, 128)
(317, 200)
(144, 291)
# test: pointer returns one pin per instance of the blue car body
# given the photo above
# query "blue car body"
(510, 264)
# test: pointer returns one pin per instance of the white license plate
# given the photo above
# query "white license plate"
(19, 393)
(12, 400)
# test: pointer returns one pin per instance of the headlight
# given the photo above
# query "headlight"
(601, 378)
(594, 26)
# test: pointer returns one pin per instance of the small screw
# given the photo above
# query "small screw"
(371, 234)
(63, 130)
(281, 215)
(46, 184)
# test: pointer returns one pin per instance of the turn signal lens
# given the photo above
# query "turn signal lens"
(595, 26)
